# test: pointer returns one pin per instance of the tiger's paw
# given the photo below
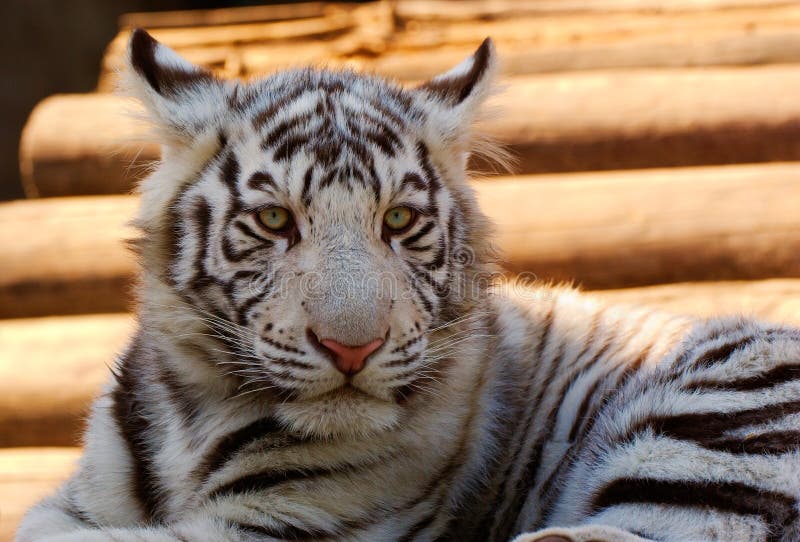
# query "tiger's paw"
(586, 533)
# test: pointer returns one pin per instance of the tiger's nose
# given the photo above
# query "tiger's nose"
(350, 359)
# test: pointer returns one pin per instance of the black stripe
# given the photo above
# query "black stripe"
(287, 149)
(768, 379)
(262, 481)
(721, 353)
(229, 173)
(772, 443)
(580, 415)
(296, 363)
(242, 311)
(703, 427)
(136, 430)
(424, 157)
(233, 254)
(281, 346)
(628, 371)
(261, 180)
(414, 180)
(306, 194)
(423, 231)
(282, 102)
(777, 509)
(283, 130)
(231, 444)
(202, 217)
(248, 231)
(415, 285)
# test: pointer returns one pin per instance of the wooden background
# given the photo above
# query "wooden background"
(658, 146)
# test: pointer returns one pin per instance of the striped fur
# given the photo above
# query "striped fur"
(493, 411)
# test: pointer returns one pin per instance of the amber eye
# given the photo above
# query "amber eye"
(275, 218)
(398, 218)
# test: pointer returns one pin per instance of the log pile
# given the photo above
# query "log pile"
(658, 146)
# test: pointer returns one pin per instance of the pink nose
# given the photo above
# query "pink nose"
(350, 359)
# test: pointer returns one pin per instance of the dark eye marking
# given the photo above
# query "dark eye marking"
(230, 170)
(306, 194)
(261, 181)
(248, 231)
(414, 180)
(423, 231)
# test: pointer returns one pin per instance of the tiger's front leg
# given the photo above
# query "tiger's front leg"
(587, 533)
(58, 520)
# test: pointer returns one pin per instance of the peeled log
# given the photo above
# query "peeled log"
(415, 40)
(51, 368)
(83, 144)
(27, 475)
(78, 144)
(65, 256)
(615, 229)
(602, 230)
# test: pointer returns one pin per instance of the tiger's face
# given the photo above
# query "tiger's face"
(318, 223)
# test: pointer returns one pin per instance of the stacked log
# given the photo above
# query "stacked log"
(534, 36)
(66, 359)
(65, 256)
(554, 123)
(602, 230)
(27, 475)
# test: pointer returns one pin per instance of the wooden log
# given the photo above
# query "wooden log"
(602, 230)
(84, 144)
(65, 256)
(609, 230)
(776, 300)
(26, 476)
(223, 16)
(554, 123)
(50, 369)
(415, 40)
(41, 406)
(471, 10)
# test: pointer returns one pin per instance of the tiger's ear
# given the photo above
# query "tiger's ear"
(455, 97)
(181, 99)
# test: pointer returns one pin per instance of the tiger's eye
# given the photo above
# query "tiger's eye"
(275, 218)
(398, 218)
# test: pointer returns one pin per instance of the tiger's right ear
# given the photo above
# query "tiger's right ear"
(181, 99)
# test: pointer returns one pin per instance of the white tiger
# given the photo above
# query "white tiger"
(322, 356)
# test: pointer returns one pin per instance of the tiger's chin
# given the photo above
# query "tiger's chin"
(345, 412)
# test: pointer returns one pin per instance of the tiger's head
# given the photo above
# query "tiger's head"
(312, 232)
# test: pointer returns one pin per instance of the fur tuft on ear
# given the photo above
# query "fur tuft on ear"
(454, 100)
(181, 99)
(469, 82)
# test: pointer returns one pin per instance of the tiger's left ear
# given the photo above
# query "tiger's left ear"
(454, 98)
(181, 99)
